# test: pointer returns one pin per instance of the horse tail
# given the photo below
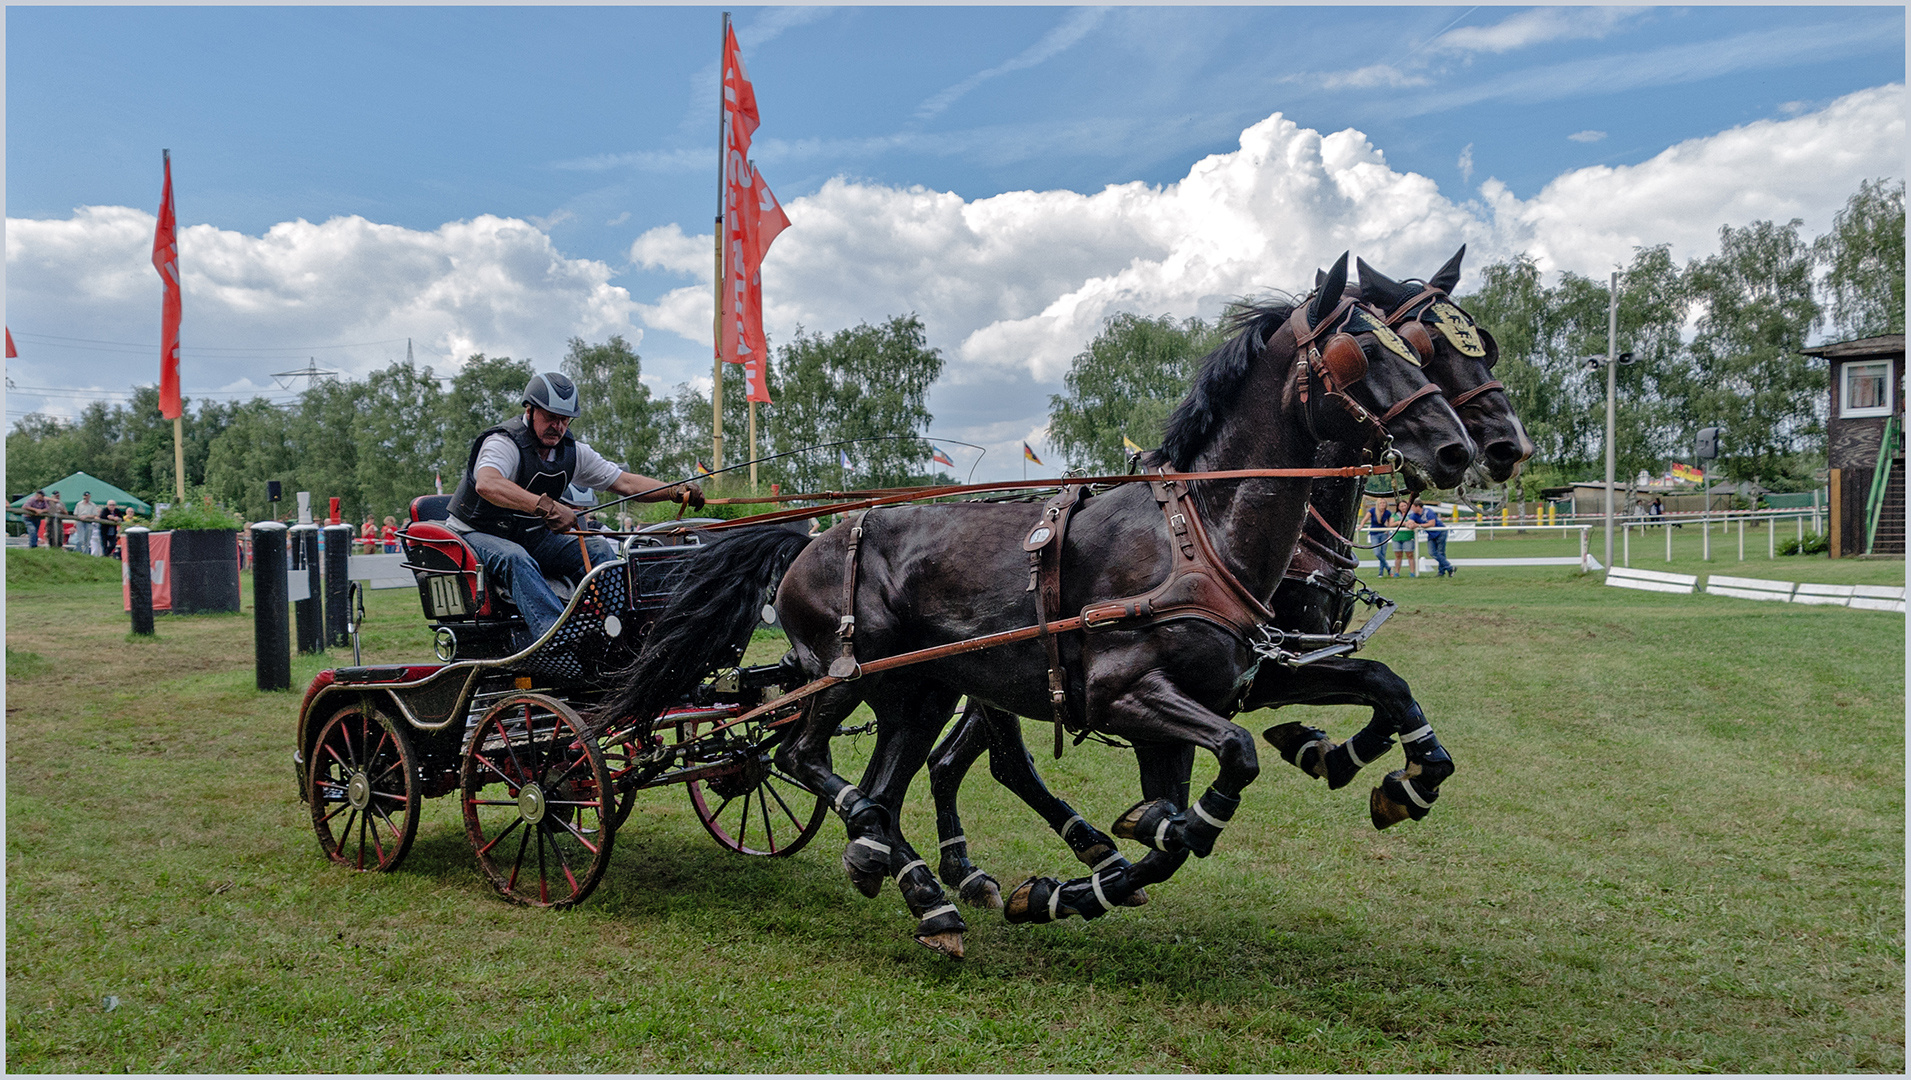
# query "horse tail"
(712, 610)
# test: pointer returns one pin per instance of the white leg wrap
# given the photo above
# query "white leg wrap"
(1094, 882)
(1407, 786)
(1055, 903)
(972, 876)
(1352, 755)
(1207, 817)
(877, 846)
(1417, 734)
(1067, 825)
(1106, 863)
(953, 841)
(900, 874)
(1324, 745)
(848, 795)
(935, 911)
(1161, 834)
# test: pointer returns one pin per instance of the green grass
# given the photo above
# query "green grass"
(1675, 842)
(55, 566)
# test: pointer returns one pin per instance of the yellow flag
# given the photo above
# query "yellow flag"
(1129, 445)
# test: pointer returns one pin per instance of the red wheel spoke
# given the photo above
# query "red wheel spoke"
(573, 830)
(486, 849)
(486, 762)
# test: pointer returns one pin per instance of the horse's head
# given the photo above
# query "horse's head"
(1459, 355)
(1358, 378)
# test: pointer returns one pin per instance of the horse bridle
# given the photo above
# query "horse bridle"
(1341, 361)
(1407, 320)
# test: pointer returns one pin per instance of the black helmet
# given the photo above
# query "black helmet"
(554, 393)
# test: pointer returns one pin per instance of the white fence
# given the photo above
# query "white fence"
(1863, 597)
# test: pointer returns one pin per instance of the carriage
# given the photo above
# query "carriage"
(542, 790)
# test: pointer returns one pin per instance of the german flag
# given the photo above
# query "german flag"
(1029, 455)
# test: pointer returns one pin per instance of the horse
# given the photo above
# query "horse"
(1288, 380)
(1315, 597)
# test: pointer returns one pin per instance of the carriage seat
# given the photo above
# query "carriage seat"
(439, 551)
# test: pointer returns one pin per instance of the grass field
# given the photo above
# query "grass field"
(1675, 842)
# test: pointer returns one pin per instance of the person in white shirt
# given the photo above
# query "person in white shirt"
(508, 504)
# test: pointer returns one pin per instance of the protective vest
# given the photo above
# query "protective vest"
(535, 475)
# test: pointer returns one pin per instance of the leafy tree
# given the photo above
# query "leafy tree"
(860, 383)
(1545, 335)
(619, 418)
(1125, 384)
(1863, 258)
(255, 446)
(486, 391)
(1747, 372)
(400, 447)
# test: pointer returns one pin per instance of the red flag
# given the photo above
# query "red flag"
(10, 350)
(166, 261)
(752, 219)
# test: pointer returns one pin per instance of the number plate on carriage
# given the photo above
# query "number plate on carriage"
(447, 595)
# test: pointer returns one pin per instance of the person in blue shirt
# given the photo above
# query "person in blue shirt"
(1427, 520)
(1379, 516)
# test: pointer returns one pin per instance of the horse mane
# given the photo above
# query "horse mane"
(1192, 424)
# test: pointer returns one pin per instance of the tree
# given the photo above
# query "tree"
(861, 383)
(486, 391)
(254, 447)
(1545, 335)
(1863, 258)
(1747, 373)
(619, 418)
(1125, 384)
(400, 445)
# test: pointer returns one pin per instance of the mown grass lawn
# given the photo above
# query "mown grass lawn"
(1675, 842)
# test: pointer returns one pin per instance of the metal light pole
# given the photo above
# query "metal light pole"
(1612, 383)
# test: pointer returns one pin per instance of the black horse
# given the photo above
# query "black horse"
(901, 579)
(1317, 596)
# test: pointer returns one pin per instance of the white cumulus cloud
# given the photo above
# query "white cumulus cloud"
(493, 285)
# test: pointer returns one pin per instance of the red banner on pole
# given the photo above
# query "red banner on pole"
(10, 350)
(752, 218)
(166, 261)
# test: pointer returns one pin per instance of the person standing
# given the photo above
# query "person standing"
(1427, 520)
(34, 513)
(368, 535)
(1378, 517)
(110, 517)
(390, 535)
(1403, 542)
(57, 527)
(87, 536)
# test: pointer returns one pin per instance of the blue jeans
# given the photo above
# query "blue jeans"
(33, 532)
(1378, 538)
(1437, 544)
(520, 568)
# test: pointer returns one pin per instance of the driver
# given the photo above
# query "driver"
(507, 503)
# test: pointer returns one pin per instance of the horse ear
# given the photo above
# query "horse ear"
(1378, 288)
(1327, 296)
(1448, 276)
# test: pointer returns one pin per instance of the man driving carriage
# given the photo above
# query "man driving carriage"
(508, 504)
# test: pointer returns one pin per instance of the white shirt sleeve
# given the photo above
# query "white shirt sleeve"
(594, 470)
(500, 453)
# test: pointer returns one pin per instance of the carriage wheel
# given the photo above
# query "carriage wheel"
(362, 788)
(758, 809)
(537, 802)
(630, 770)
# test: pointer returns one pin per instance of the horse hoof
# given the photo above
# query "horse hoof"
(1301, 746)
(948, 943)
(867, 879)
(1134, 899)
(1017, 909)
(1384, 810)
(984, 892)
(1151, 823)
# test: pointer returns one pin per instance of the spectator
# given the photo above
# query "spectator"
(368, 535)
(88, 533)
(34, 511)
(57, 529)
(1378, 517)
(1403, 542)
(1427, 520)
(1658, 509)
(110, 517)
(390, 535)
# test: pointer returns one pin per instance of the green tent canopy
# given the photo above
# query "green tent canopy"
(71, 487)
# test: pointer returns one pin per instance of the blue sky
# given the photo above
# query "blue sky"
(595, 127)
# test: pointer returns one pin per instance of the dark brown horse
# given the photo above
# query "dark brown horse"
(1316, 597)
(927, 576)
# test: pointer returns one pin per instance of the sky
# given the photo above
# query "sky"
(499, 180)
